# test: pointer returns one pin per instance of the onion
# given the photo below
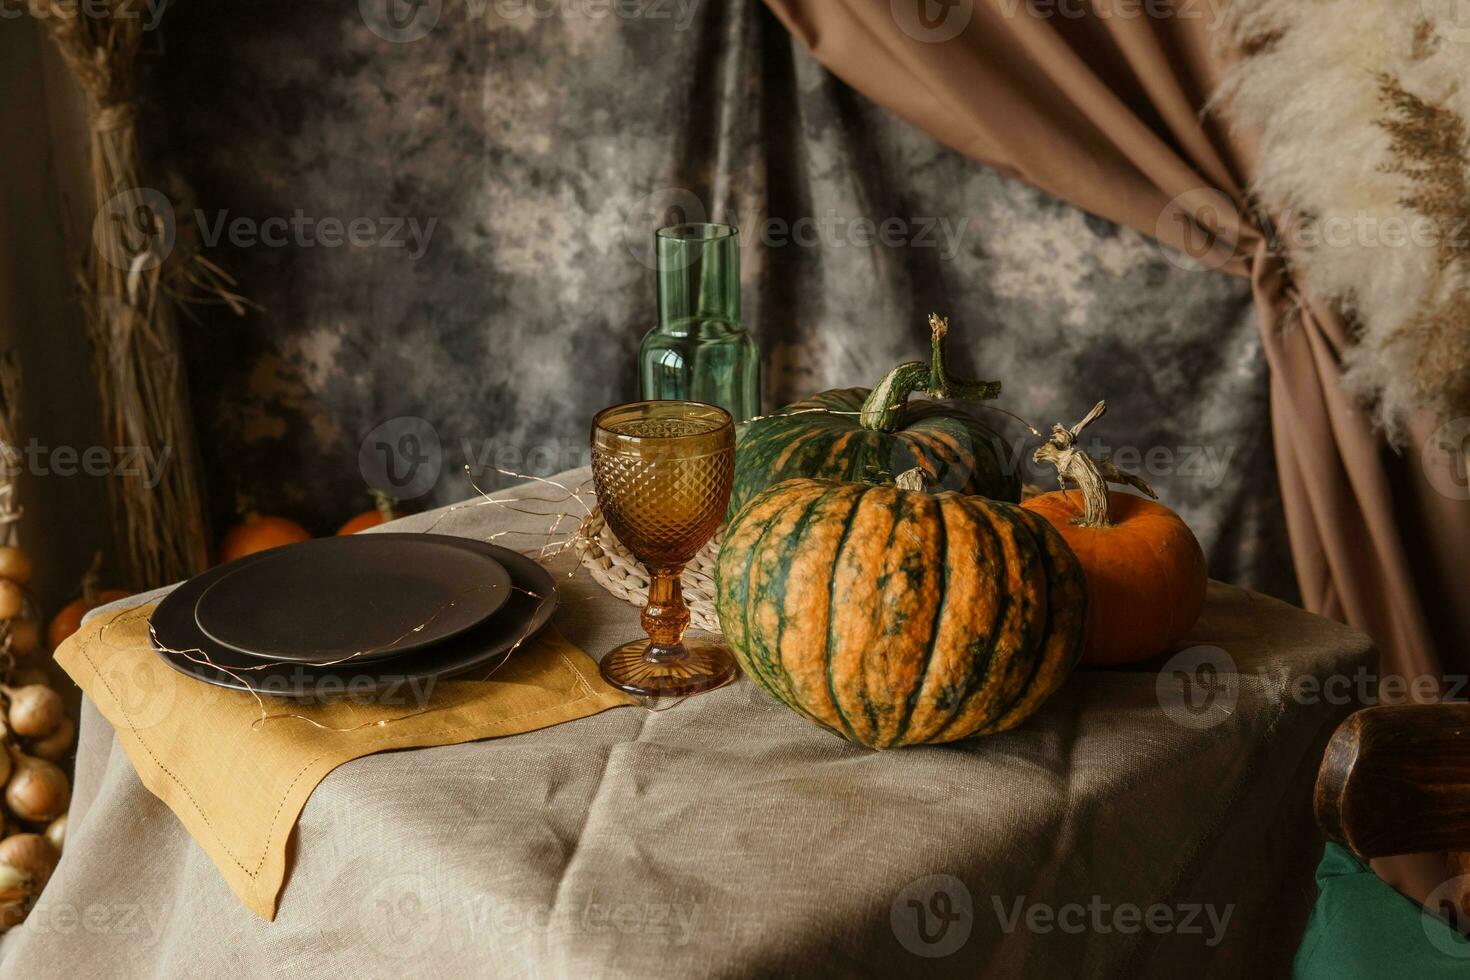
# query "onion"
(55, 745)
(56, 832)
(31, 854)
(15, 896)
(12, 599)
(14, 565)
(38, 790)
(25, 637)
(35, 709)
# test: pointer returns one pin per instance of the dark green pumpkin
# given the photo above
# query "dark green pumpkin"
(894, 617)
(871, 436)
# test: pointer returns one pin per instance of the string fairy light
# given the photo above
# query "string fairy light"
(549, 548)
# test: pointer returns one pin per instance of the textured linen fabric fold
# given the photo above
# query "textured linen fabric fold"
(727, 836)
(239, 787)
(1105, 112)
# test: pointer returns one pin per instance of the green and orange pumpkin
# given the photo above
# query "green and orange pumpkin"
(871, 436)
(896, 616)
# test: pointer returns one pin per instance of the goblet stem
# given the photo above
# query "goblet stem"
(665, 617)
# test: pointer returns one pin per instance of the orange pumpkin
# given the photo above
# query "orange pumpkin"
(381, 513)
(69, 620)
(1145, 569)
(258, 533)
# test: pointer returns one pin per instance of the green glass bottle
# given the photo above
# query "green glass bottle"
(700, 351)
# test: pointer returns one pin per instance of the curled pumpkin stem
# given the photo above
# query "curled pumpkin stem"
(882, 410)
(1092, 477)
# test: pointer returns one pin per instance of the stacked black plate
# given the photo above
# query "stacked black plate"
(356, 614)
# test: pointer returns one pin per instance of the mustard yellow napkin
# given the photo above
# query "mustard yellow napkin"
(197, 747)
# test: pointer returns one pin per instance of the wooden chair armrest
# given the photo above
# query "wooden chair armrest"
(1396, 780)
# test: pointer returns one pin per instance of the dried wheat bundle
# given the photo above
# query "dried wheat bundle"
(136, 277)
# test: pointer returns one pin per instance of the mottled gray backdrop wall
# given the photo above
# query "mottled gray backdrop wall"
(504, 170)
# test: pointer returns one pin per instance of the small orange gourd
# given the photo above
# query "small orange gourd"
(258, 533)
(381, 513)
(1146, 572)
(69, 619)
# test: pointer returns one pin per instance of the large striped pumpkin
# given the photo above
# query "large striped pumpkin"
(872, 436)
(896, 617)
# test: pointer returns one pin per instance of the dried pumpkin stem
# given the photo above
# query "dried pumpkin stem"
(1075, 466)
(882, 411)
(383, 504)
(92, 581)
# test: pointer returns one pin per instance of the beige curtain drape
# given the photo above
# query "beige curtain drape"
(1107, 112)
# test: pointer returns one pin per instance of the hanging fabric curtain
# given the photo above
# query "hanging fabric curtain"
(1108, 113)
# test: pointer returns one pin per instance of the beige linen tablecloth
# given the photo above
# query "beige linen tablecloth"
(1117, 833)
(194, 745)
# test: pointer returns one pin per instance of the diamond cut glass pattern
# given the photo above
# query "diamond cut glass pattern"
(663, 472)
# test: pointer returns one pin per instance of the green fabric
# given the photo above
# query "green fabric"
(1362, 928)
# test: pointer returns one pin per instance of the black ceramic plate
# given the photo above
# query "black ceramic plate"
(332, 598)
(533, 600)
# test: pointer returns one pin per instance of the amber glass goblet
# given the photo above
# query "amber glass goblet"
(663, 471)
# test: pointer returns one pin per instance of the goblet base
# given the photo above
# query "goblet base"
(693, 666)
